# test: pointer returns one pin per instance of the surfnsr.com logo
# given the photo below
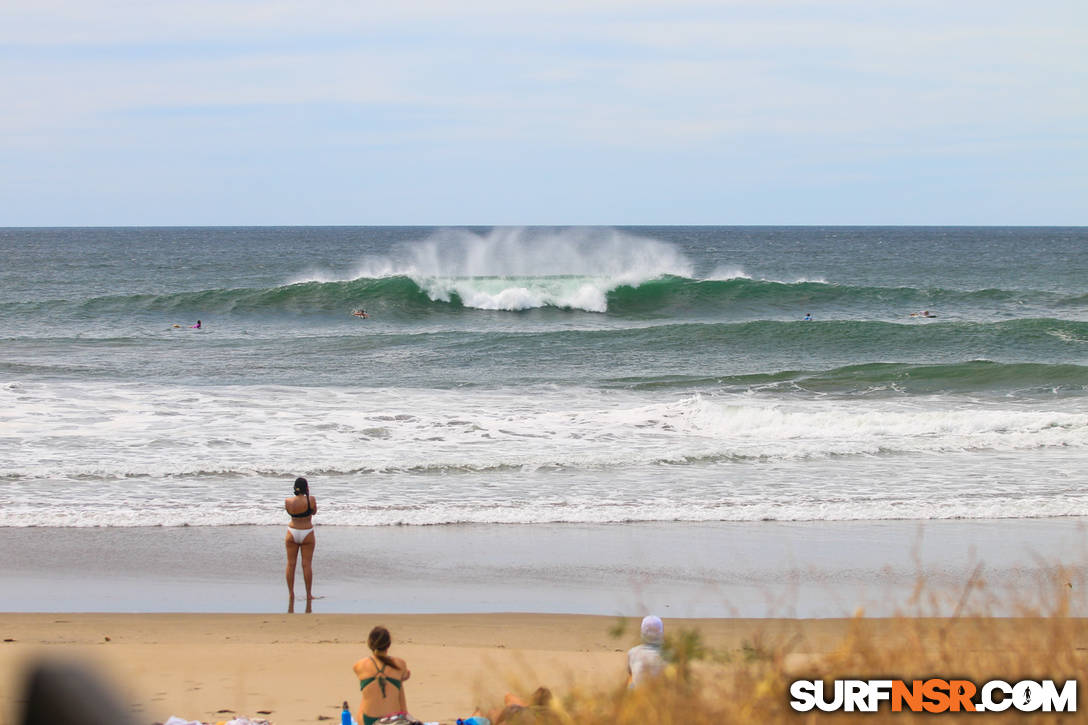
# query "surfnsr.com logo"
(933, 695)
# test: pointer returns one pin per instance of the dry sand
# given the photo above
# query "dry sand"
(298, 668)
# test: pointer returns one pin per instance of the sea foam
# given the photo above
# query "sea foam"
(519, 269)
(513, 455)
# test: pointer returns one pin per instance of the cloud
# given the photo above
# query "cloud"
(427, 82)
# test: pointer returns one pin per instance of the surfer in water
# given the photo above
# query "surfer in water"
(360, 313)
(196, 326)
(808, 317)
(923, 313)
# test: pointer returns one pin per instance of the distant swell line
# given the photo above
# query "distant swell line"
(966, 377)
(405, 296)
(1063, 342)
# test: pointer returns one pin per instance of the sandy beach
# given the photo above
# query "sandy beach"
(297, 669)
(190, 621)
(197, 627)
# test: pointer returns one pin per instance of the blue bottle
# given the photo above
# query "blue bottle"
(345, 715)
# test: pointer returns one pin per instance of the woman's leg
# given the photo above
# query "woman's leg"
(308, 544)
(292, 558)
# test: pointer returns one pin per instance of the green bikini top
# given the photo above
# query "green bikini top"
(380, 677)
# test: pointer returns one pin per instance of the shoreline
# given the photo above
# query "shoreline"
(751, 569)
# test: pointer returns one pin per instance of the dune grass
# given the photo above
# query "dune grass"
(748, 682)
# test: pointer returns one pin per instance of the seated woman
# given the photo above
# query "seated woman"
(381, 679)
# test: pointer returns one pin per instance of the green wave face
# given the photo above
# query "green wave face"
(665, 296)
(678, 295)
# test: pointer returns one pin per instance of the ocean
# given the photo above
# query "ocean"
(542, 375)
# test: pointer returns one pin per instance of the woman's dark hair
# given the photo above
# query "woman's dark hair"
(379, 641)
(301, 486)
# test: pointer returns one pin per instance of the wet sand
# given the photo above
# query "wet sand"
(760, 569)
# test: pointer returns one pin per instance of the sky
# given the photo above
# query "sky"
(565, 112)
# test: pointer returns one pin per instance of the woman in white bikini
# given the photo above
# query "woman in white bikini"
(300, 536)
